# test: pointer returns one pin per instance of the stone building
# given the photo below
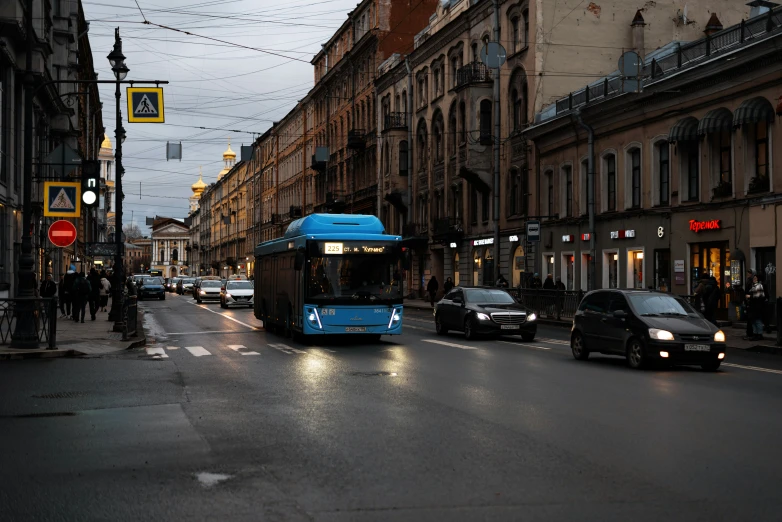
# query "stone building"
(170, 238)
(686, 172)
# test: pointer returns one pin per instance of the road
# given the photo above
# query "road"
(216, 420)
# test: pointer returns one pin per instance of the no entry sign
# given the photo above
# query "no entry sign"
(62, 233)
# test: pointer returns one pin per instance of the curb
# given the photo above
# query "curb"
(37, 354)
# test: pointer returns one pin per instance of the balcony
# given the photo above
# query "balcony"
(475, 165)
(447, 229)
(423, 179)
(416, 230)
(472, 74)
(357, 139)
(320, 166)
(395, 121)
(439, 172)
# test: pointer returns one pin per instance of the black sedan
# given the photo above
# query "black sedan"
(645, 326)
(484, 311)
(152, 287)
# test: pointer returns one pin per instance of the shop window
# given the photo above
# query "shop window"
(611, 269)
(548, 266)
(456, 278)
(488, 267)
(568, 270)
(586, 273)
(662, 270)
(518, 263)
(635, 269)
(477, 261)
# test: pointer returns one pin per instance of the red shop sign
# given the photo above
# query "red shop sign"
(713, 224)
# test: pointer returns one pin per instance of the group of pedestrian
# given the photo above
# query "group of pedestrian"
(77, 290)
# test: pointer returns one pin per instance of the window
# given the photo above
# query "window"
(725, 151)
(567, 172)
(761, 150)
(473, 206)
(475, 56)
(663, 165)
(485, 120)
(610, 161)
(452, 130)
(584, 188)
(525, 17)
(550, 193)
(462, 123)
(513, 207)
(524, 191)
(635, 176)
(689, 153)
(485, 206)
(515, 101)
(403, 158)
(454, 70)
(514, 26)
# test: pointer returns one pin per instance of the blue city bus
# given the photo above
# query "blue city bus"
(330, 274)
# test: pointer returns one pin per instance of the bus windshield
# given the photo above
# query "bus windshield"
(355, 277)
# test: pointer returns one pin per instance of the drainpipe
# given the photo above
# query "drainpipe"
(496, 148)
(590, 195)
(409, 117)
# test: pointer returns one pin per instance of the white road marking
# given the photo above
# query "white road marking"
(281, 348)
(526, 345)
(172, 347)
(242, 349)
(225, 316)
(452, 345)
(207, 332)
(753, 368)
(553, 341)
(417, 328)
(208, 480)
(291, 348)
(198, 351)
(159, 352)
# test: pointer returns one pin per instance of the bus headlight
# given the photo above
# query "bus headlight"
(396, 316)
(314, 318)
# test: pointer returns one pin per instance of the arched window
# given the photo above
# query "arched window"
(514, 29)
(452, 130)
(438, 137)
(525, 21)
(634, 164)
(421, 144)
(175, 254)
(518, 99)
(609, 166)
(403, 158)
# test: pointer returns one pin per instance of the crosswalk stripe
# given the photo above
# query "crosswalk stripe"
(242, 349)
(158, 352)
(198, 351)
(453, 345)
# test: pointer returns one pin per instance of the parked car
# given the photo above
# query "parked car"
(151, 287)
(171, 284)
(237, 293)
(185, 285)
(478, 311)
(645, 326)
(208, 290)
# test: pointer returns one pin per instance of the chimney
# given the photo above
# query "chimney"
(713, 26)
(638, 25)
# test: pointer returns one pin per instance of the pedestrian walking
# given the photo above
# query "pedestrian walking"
(70, 278)
(535, 284)
(757, 300)
(548, 284)
(448, 285)
(94, 297)
(432, 288)
(747, 286)
(61, 293)
(48, 287)
(80, 293)
(708, 293)
(105, 291)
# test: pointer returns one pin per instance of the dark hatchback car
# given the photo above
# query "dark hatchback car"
(152, 287)
(484, 311)
(645, 326)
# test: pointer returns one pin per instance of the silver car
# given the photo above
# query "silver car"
(237, 293)
(208, 290)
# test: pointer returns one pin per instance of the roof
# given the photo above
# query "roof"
(335, 223)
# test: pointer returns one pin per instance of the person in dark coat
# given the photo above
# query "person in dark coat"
(61, 293)
(80, 293)
(747, 286)
(48, 287)
(70, 278)
(432, 287)
(536, 282)
(448, 285)
(559, 284)
(548, 284)
(94, 298)
(757, 300)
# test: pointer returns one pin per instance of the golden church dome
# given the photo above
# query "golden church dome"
(106, 142)
(199, 186)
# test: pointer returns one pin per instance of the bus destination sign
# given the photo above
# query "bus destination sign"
(343, 248)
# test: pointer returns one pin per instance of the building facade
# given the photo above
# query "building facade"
(686, 172)
(169, 242)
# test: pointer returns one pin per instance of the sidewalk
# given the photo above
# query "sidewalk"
(88, 338)
(733, 334)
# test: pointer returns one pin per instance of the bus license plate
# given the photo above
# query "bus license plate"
(697, 348)
(510, 327)
(355, 328)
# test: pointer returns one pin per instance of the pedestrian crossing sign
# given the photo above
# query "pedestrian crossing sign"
(63, 199)
(145, 105)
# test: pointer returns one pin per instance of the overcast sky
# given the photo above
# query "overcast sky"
(216, 85)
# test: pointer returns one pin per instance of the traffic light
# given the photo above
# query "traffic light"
(90, 182)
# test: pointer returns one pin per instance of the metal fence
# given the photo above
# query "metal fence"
(551, 304)
(41, 312)
(130, 314)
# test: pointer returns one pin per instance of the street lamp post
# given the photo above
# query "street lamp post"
(117, 61)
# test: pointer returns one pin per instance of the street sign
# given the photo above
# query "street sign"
(493, 55)
(101, 249)
(533, 231)
(62, 199)
(62, 233)
(63, 159)
(145, 105)
(90, 180)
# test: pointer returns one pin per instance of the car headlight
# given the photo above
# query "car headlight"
(203, 293)
(661, 335)
(532, 317)
(719, 337)
(313, 318)
(482, 317)
(396, 316)
(227, 295)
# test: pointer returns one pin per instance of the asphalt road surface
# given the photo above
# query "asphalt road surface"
(216, 420)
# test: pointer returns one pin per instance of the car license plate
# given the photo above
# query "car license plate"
(509, 327)
(355, 328)
(697, 348)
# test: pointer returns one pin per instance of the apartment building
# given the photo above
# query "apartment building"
(437, 115)
(686, 172)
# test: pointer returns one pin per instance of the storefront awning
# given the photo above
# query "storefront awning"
(754, 110)
(684, 130)
(717, 120)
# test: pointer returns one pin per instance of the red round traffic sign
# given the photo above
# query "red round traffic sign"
(62, 233)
